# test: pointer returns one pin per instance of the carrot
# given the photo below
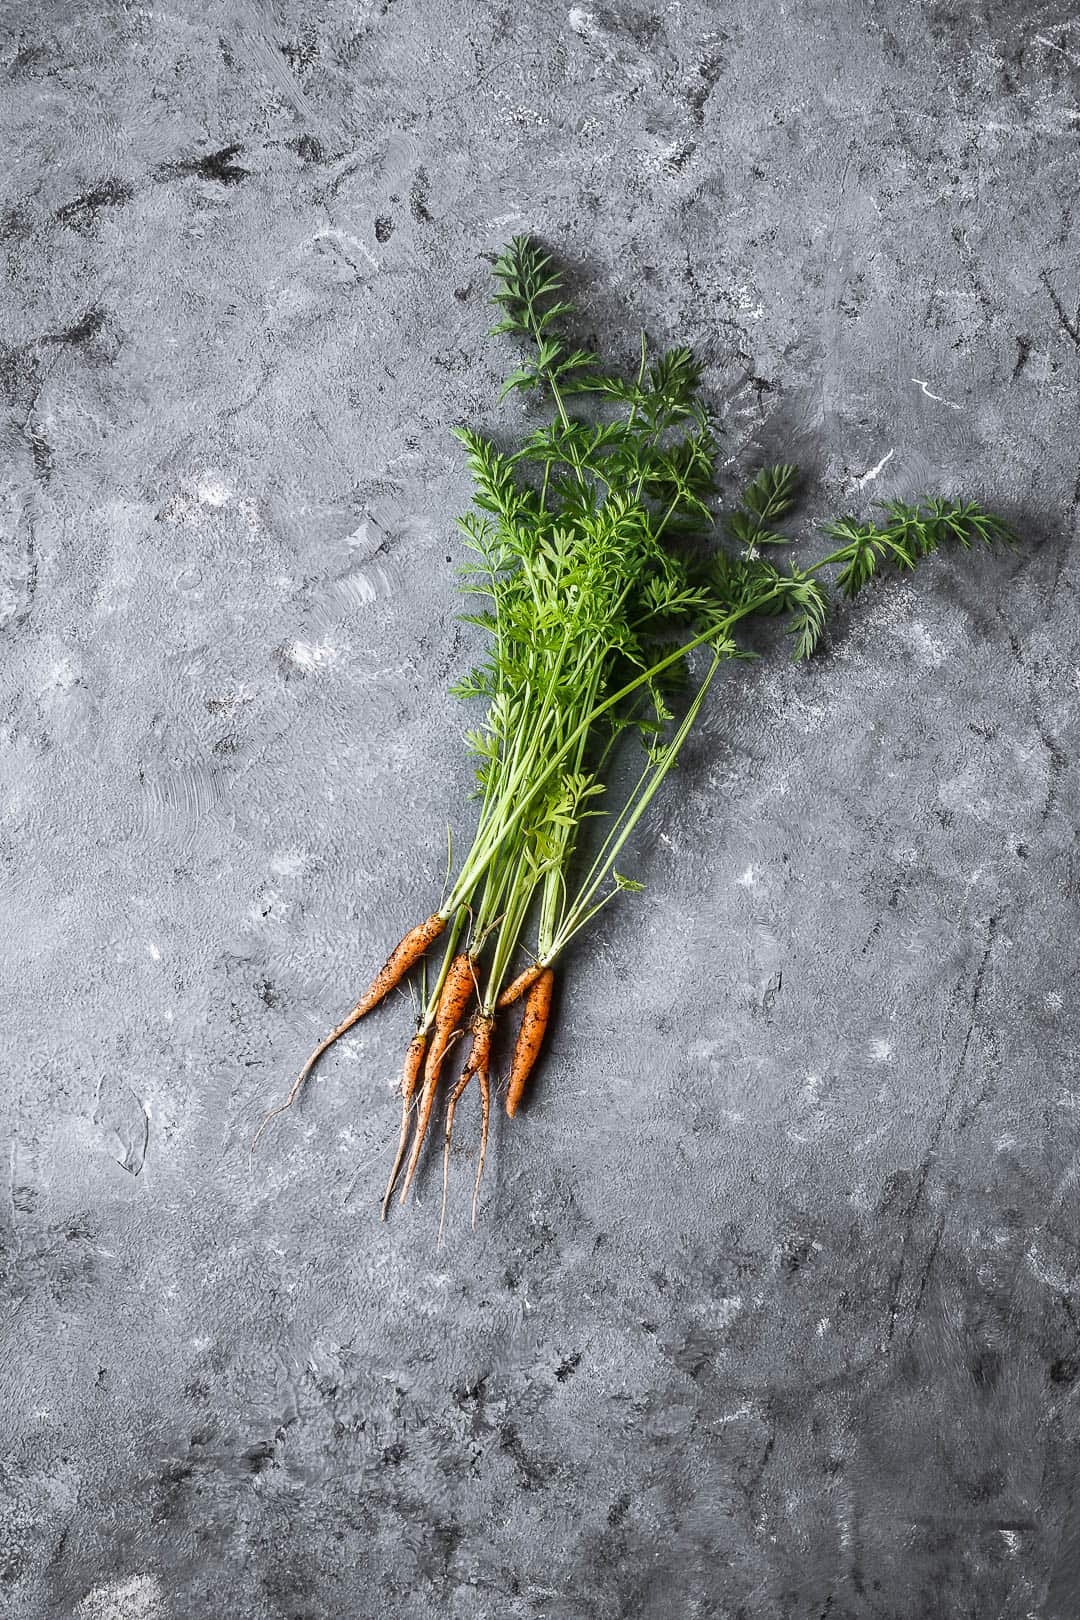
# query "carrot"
(455, 998)
(410, 1073)
(456, 994)
(480, 1050)
(530, 1038)
(410, 1069)
(485, 1104)
(478, 1063)
(405, 954)
(451, 1106)
(517, 987)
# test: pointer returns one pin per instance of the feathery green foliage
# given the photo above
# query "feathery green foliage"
(594, 556)
(909, 534)
(609, 592)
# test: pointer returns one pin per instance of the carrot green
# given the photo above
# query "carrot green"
(607, 604)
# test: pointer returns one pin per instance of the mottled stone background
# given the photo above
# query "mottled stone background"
(772, 1310)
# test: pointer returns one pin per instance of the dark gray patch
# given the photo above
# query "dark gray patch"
(214, 166)
(16, 223)
(82, 211)
(418, 198)
(1069, 323)
(707, 76)
(80, 331)
(302, 52)
(31, 62)
(1023, 353)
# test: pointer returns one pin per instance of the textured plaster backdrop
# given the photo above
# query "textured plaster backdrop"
(772, 1310)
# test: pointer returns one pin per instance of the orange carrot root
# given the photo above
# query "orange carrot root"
(410, 1069)
(452, 1105)
(485, 1104)
(530, 1038)
(410, 1073)
(519, 986)
(295, 1090)
(453, 1003)
(455, 998)
(406, 953)
(478, 1063)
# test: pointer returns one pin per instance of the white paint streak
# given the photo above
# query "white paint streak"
(64, 676)
(739, 1413)
(313, 654)
(929, 649)
(288, 863)
(582, 22)
(811, 1088)
(868, 477)
(1047, 1272)
(360, 535)
(212, 492)
(951, 403)
(139, 1597)
(747, 304)
(343, 243)
(1052, 45)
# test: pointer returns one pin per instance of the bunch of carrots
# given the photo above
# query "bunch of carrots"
(609, 603)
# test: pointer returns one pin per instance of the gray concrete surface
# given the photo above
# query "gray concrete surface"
(772, 1307)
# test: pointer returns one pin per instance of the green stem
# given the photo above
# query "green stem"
(582, 909)
(461, 917)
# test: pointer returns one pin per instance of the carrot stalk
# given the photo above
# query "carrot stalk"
(456, 994)
(405, 954)
(530, 1038)
(410, 1073)
(521, 985)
